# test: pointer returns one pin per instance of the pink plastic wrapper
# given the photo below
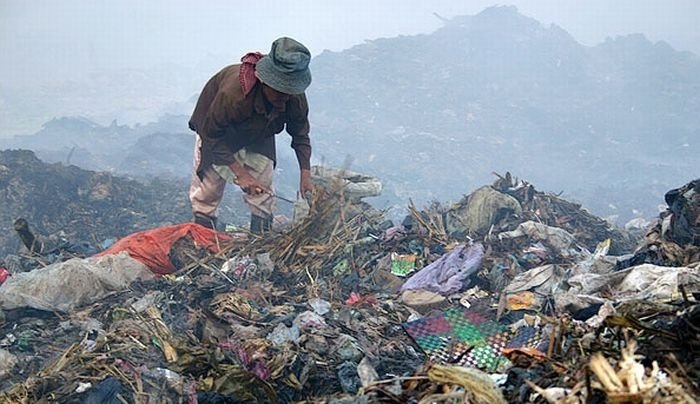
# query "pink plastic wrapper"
(4, 274)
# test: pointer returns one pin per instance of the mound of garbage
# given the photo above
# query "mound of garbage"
(509, 295)
(69, 203)
(73, 211)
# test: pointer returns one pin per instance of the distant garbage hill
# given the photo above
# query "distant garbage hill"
(140, 150)
(612, 125)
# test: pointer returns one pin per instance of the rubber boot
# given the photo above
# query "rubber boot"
(259, 224)
(204, 220)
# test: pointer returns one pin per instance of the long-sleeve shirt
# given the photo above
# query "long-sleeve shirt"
(228, 121)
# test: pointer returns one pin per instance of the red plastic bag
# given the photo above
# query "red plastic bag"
(152, 247)
(357, 299)
(4, 274)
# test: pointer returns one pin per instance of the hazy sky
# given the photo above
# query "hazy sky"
(67, 57)
(68, 37)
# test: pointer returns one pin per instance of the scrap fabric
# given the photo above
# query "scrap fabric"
(463, 337)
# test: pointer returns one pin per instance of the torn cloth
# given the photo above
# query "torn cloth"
(446, 275)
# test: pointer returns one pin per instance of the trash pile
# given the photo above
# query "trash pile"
(79, 211)
(508, 295)
(70, 205)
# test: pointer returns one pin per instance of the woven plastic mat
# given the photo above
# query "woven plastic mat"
(467, 338)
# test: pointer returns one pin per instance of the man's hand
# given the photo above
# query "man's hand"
(247, 182)
(306, 187)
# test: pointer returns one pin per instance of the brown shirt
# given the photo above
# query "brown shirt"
(228, 121)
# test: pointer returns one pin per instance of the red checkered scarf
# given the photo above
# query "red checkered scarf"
(247, 73)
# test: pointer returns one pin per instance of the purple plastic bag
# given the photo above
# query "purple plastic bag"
(446, 275)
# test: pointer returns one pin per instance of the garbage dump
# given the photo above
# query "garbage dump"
(509, 295)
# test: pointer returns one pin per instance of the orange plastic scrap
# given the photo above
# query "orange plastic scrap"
(533, 353)
(152, 247)
(522, 301)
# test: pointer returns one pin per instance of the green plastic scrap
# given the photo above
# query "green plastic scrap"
(341, 268)
(402, 265)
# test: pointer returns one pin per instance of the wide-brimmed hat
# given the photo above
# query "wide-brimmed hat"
(286, 67)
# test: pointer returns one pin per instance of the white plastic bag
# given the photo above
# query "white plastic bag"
(66, 285)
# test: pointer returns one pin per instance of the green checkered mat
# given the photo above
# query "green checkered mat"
(462, 337)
